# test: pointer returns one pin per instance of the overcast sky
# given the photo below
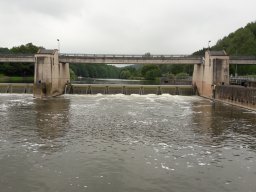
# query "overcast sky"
(122, 26)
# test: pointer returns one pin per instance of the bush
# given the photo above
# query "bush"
(182, 76)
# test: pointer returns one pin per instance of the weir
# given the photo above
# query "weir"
(86, 89)
(52, 69)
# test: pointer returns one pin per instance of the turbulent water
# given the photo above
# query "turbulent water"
(120, 143)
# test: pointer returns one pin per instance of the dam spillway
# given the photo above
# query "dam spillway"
(105, 89)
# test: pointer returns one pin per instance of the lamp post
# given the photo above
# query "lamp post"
(58, 44)
(209, 45)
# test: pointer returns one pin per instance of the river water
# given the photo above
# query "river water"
(118, 143)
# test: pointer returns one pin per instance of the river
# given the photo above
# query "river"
(118, 143)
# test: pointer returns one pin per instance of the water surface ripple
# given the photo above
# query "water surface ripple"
(125, 143)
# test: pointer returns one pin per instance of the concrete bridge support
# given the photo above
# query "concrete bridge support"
(50, 76)
(214, 71)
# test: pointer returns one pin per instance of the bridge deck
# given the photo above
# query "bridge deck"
(17, 58)
(245, 60)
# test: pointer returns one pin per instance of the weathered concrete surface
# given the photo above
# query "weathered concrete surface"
(214, 71)
(50, 76)
(237, 95)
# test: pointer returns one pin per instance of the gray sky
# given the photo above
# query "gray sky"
(122, 26)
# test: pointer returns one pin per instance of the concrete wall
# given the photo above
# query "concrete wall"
(237, 95)
(214, 71)
(50, 75)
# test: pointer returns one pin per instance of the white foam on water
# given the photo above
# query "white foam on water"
(3, 107)
(132, 113)
(136, 95)
(166, 167)
(151, 99)
(250, 112)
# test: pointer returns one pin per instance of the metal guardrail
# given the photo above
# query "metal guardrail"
(111, 56)
(242, 57)
(16, 55)
(243, 78)
(126, 56)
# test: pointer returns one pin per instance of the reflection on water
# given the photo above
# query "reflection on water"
(125, 143)
(52, 117)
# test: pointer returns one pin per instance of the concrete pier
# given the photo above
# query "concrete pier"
(214, 71)
(50, 76)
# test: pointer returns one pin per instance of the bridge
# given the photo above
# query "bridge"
(52, 69)
(107, 59)
(125, 59)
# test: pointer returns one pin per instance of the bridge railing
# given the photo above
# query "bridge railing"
(12, 55)
(111, 56)
(242, 57)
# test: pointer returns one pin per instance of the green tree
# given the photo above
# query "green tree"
(125, 74)
(150, 72)
(28, 48)
(72, 74)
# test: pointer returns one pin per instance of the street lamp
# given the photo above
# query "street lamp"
(58, 45)
(209, 44)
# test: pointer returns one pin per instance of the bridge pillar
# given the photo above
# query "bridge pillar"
(214, 71)
(50, 76)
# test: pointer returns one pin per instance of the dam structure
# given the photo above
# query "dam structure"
(51, 75)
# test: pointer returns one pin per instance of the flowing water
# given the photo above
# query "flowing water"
(118, 143)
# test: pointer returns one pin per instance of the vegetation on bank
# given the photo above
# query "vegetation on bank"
(242, 42)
